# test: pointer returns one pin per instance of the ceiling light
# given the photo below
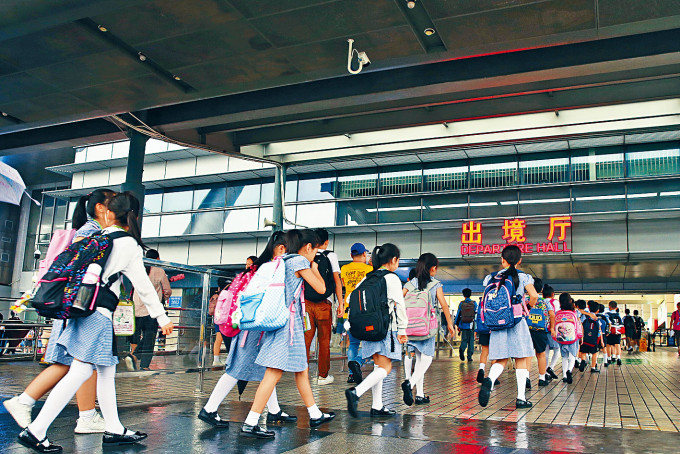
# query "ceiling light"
(411, 4)
(429, 31)
(176, 77)
(102, 28)
(4, 114)
(141, 56)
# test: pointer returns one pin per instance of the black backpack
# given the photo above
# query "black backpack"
(467, 311)
(639, 323)
(629, 322)
(326, 272)
(591, 331)
(369, 312)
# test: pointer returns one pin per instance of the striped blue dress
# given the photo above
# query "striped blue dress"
(55, 353)
(241, 360)
(426, 346)
(276, 350)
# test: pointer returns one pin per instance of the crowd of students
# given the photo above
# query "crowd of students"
(541, 326)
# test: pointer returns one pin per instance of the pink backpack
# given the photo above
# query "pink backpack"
(61, 239)
(567, 327)
(227, 303)
(421, 312)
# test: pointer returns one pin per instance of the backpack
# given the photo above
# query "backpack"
(501, 307)
(591, 332)
(604, 323)
(369, 312)
(676, 321)
(639, 324)
(227, 303)
(59, 287)
(326, 272)
(615, 324)
(212, 303)
(539, 318)
(480, 326)
(467, 311)
(61, 239)
(567, 327)
(421, 312)
(262, 305)
(629, 322)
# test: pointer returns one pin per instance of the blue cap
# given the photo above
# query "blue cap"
(358, 249)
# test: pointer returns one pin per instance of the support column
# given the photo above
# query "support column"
(135, 168)
(279, 184)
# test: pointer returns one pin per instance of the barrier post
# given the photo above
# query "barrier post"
(202, 330)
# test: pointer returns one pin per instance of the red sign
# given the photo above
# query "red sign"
(514, 232)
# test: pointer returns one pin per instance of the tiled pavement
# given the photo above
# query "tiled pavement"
(642, 397)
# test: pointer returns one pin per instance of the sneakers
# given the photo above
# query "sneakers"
(131, 362)
(20, 412)
(582, 366)
(550, 372)
(519, 403)
(325, 380)
(480, 376)
(217, 362)
(93, 425)
(356, 374)
(594, 370)
(485, 392)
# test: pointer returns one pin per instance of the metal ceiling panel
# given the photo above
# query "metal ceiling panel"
(659, 136)
(596, 141)
(439, 156)
(537, 147)
(397, 160)
(491, 151)
(344, 165)
(616, 12)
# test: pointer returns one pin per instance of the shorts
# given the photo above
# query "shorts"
(484, 338)
(588, 349)
(613, 339)
(677, 339)
(540, 340)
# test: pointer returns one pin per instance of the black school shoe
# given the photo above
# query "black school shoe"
(325, 417)
(213, 419)
(383, 412)
(543, 382)
(484, 392)
(582, 366)
(550, 372)
(110, 439)
(519, 403)
(422, 400)
(408, 392)
(480, 376)
(29, 440)
(355, 370)
(570, 378)
(255, 431)
(280, 417)
(352, 402)
(618, 362)
(594, 370)
(528, 386)
(606, 364)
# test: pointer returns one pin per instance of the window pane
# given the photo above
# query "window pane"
(653, 162)
(151, 226)
(399, 210)
(493, 175)
(594, 165)
(357, 185)
(241, 220)
(401, 182)
(445, 207)
(71, 207)
(46, 219)
(654, 195)
(153, 201)
(213, 196)
(316, 215)
(598, 198)
(60, 214)
(357, 212)
(544, 201)
(543, 171)
(207, 222)
(316, 189)
(496, 204)
(268, 192)
(99, 152)
(175, 224)
(446, 179)
(243, 194)
(177, 200)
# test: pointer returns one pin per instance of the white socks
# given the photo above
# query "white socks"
(541, 377)
(567, 364)
(273, 403)
(408, 364)
(87, 414)
(25, 399)
(572, 361)
(555, 357)
(522, 375)
(376, 392)
(314, 412)
(422, 364)
(61, 394)
(223, 387)
(106, 395)
(482, 366)
(373, 378)
(495, 372)
(252, 419)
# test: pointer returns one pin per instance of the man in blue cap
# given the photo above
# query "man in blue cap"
(352, 274)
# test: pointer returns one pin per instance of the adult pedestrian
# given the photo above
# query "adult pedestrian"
(675, 325)
(465, 322)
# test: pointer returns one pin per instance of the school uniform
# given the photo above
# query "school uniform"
(246, 346)
(426, 346)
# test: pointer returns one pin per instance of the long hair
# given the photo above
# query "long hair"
(296, 239)
(566, 303)
(511, 254)
(278, 238)
(86, 206)
(384, 254)
(425, 263)
(125, 207)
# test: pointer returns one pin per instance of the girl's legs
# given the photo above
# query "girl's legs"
(223, 387)
(382, 368)
(542, 365)
(217, 347)
(408, 365)
(46, 380)
(305, 390)
(423, 363)
(522, 374)
(554, 358)
(106, 394)
(87, 394)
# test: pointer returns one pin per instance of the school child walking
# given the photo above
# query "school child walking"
(593, 338)
(569, 331)
(616, 329)
(240, 363)
(383, 352)
(584, 314)
(284, 350)
(426, 270)
(541, 321)
(514, 342)
(553, 351)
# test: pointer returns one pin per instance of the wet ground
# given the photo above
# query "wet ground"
(632, 408)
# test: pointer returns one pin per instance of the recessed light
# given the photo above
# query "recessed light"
(141, 56)
(102, 28)
(429, 31)
(4, 114)
(411, 4)
(176, 77)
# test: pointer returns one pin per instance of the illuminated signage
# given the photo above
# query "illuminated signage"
(513, 231)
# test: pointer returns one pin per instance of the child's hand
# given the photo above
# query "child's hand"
(452, 332)
(402, 339)
(167, 329)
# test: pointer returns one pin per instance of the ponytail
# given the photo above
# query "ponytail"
(512, 255)
(85, 208)
(384, 254)
(125, 206)
(423, 267)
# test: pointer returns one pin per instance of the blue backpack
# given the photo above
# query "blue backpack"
(538, 318)
(501, 307)
(480, 326)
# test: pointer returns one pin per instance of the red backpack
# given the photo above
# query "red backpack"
(227, 303)
(568, 327)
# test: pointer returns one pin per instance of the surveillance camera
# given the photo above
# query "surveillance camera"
(363, 58)
(37, 254)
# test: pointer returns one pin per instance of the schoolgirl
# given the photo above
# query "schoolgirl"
(514, 342)
(284, 350)
(569, 352)
(89, 340)
(88, 218)
(240, 363)
(426, 270)
(385, 257)
(553, 346)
